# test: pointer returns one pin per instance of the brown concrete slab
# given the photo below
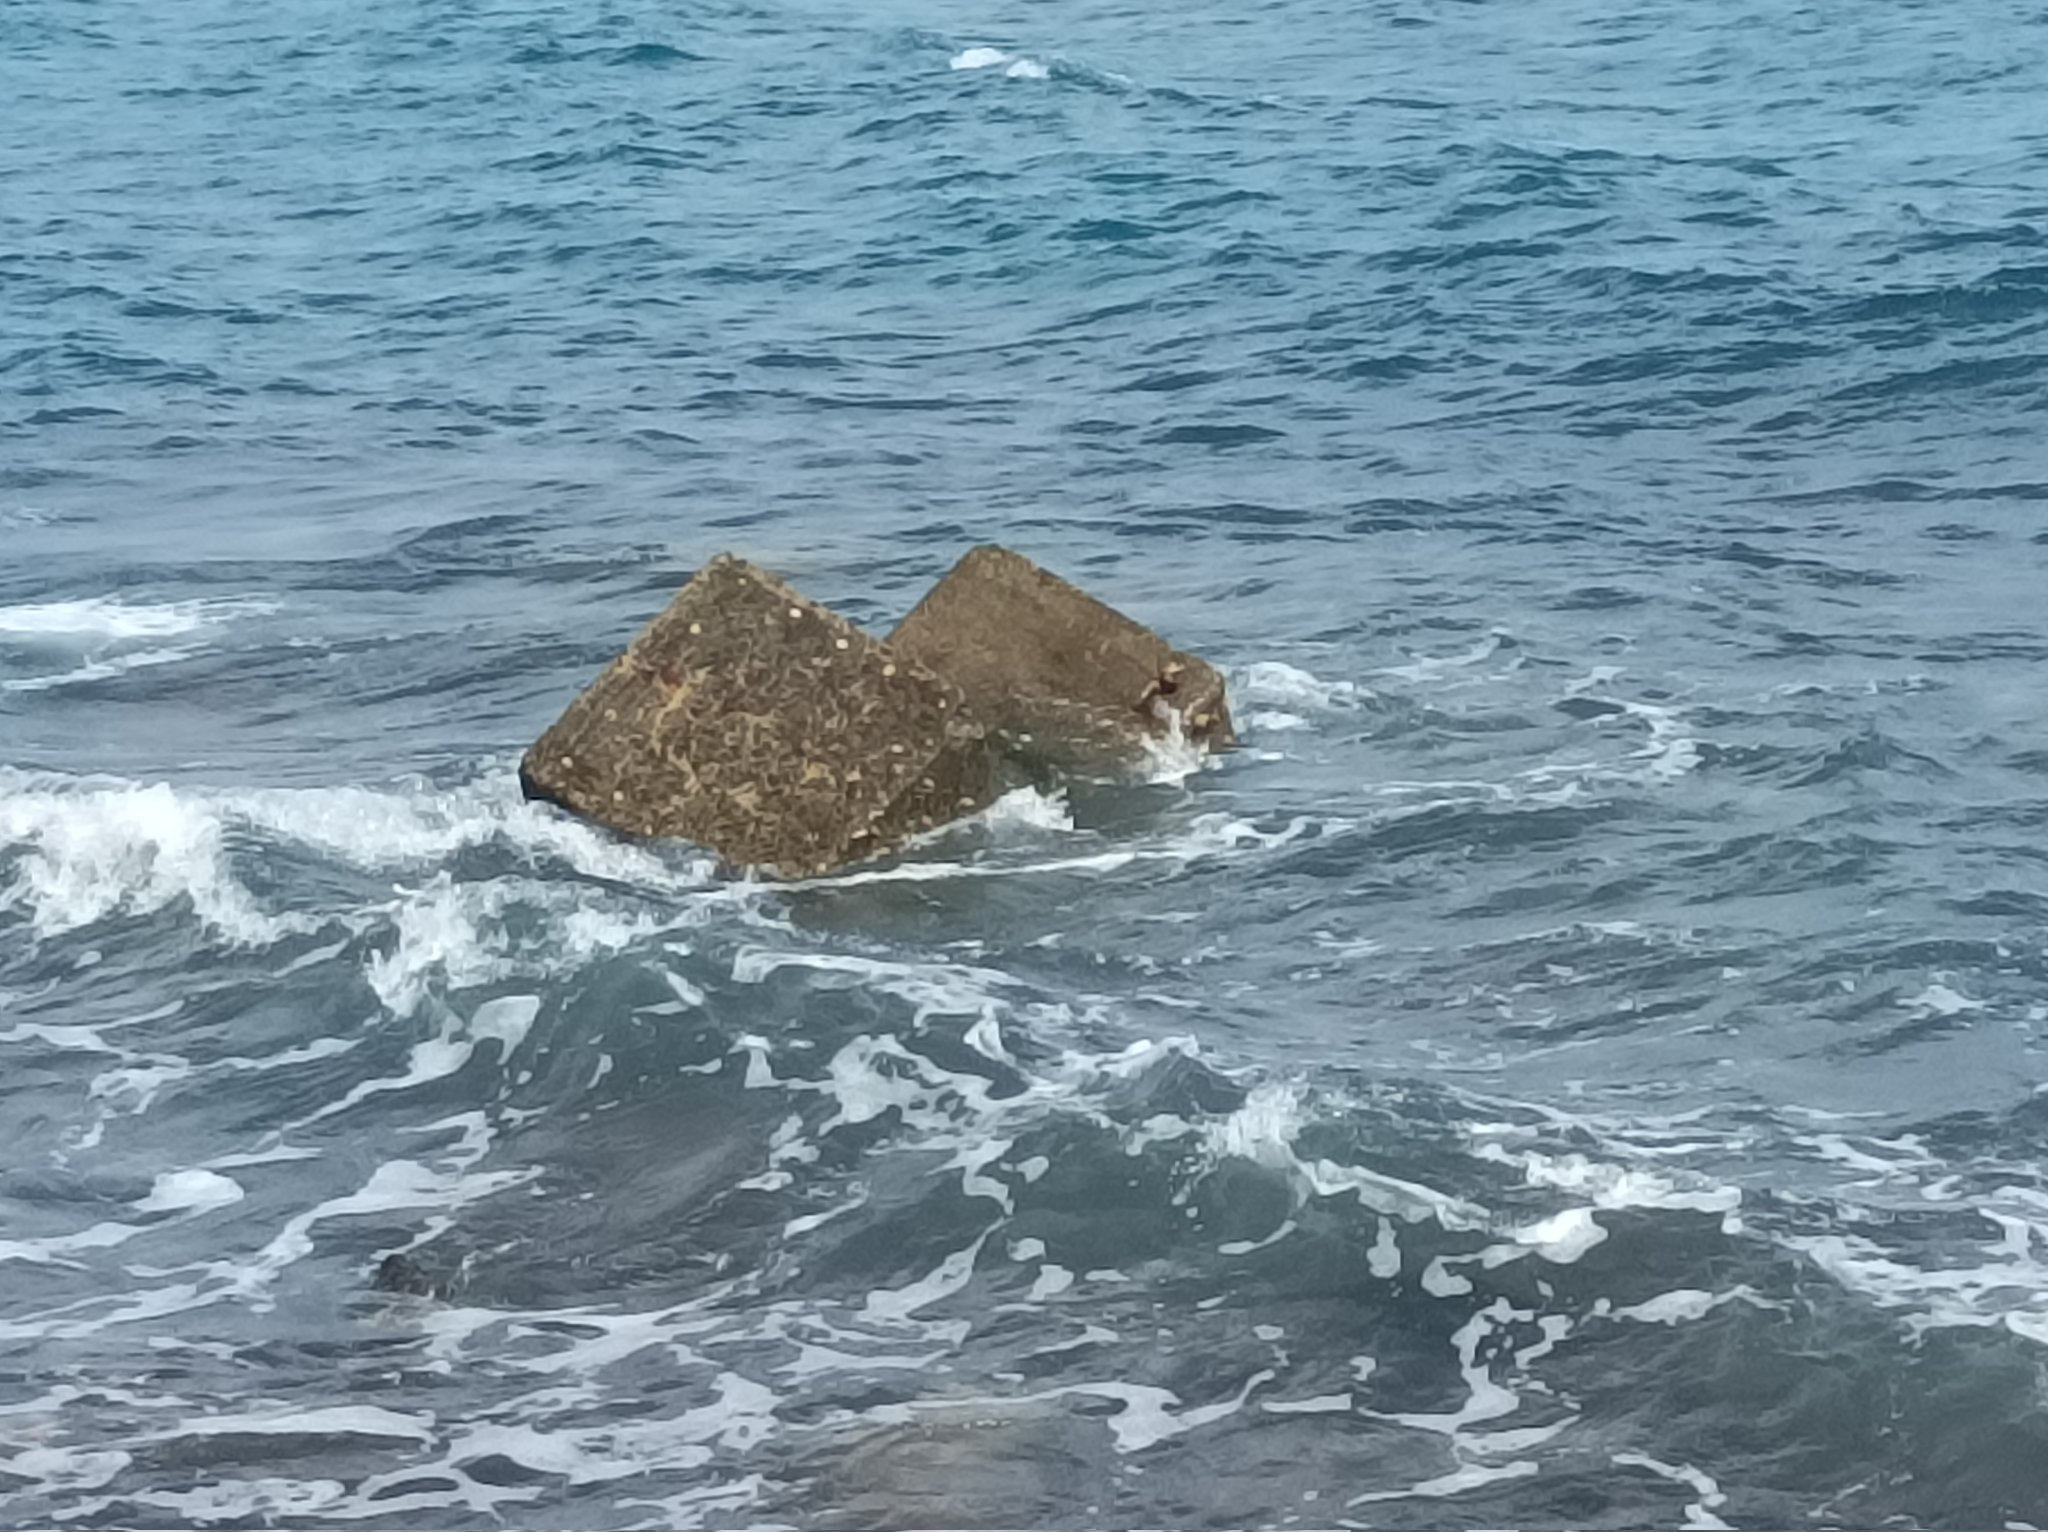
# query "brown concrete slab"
(766, 728)
(1057, 675)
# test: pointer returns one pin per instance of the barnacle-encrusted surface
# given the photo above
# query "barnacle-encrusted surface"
(1055, 673)
(766, 728)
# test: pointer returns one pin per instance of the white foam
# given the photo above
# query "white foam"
(1940, 1000)
(575, 1341)
(1911, 1161)
(1320, 1404)
(454, 935)
(1407, 1200)
(1439, 1281)
(1383, 1260)
(104, 668)
(735, 1419)
(738, 1415)
(1271, 683)
(1269, 721)
(55, 1248)
(333, 1420)
(196, 1191)
(265, 1501)
(712, 1504)
(1052, 1280)
(1457, 1482)
(507, 1019)
(394, 1186)
(1433, 668)
(95, 847)
(1679, 1306)
(937, 872)
(1206, 835)
(77, 1036)
(1028, 811)
(1699, 1516)
(438, 938)
(146, 1306)
(1171, 758)
(1263, 1130)
(286, 1058)
(1667, 753)
(1214, 834)
(1149, 1417)
(1485, 1398)
(1671, 751)
(1564, 1237)
(2008, 1286)
(119, 848)
(1613, 1186)
(1014, 66)
(930, 989)
(971, 1158)
(942, 1281)
(112, 619)
(275, 1154)
(1285, 1227)
(99, 635)
(435, 1058)
(129, 1089)
(57, 1469)
(813, 1359)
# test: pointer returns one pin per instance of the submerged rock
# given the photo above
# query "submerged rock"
(1059, 677)
(400, 1273)
(767, 729)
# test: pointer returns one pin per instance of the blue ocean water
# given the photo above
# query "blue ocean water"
(1580, 1064)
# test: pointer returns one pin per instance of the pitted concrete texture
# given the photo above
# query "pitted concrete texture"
(767, 729)
(1055, 674)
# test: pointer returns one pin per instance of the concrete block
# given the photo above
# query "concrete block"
(1059, 678)
(767, 729)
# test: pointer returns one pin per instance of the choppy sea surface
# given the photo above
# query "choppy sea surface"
(1579, 1064)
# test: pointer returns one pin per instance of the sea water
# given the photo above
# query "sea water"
(1579, 1063)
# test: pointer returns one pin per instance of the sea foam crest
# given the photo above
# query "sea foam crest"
(109, 619)
(1273, 697)
(100, 637)
(86, 854)
(1014, 66)
(78, 850)
(1276, 684)
(1027, 811)
(1171, 758)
